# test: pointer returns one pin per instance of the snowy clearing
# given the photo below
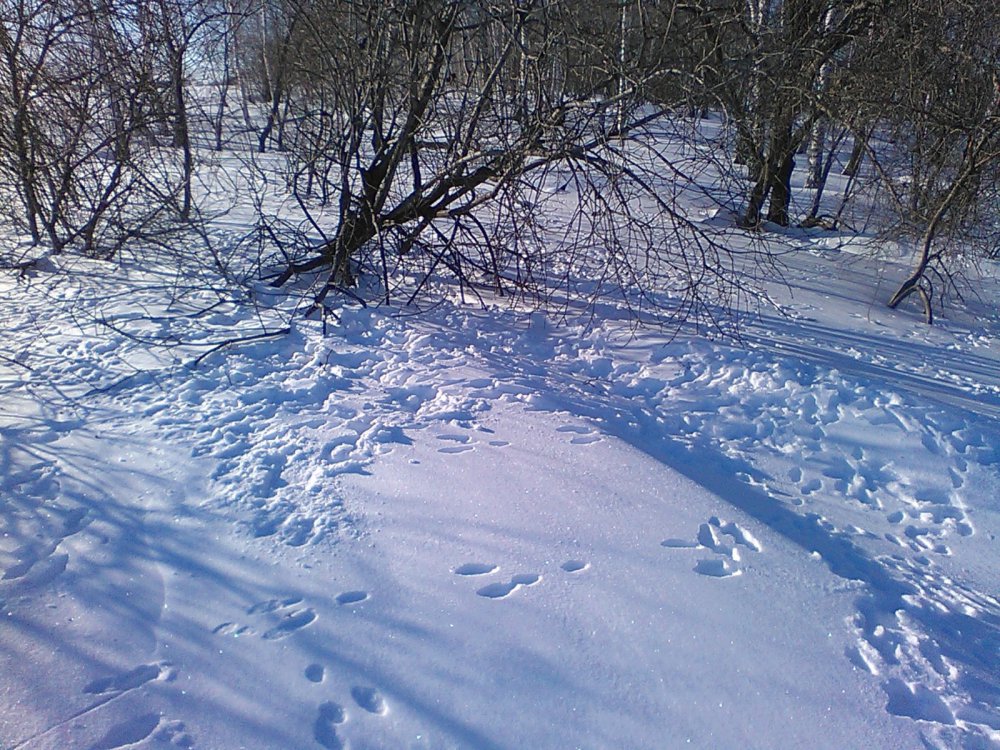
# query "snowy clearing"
(488, 529)
(481, 527)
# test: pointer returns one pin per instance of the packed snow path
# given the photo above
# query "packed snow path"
(480, 529)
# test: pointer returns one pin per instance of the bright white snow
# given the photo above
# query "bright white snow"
(472, 528)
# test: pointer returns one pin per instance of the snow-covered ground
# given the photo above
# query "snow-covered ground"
(486, 528)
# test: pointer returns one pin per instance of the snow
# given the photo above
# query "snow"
(488, 528)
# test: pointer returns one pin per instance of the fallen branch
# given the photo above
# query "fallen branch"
(237, 341)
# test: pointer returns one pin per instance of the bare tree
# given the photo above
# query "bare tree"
(445, 134)
(934, 75)
(75, 106)
(174, 29)
(794, 48)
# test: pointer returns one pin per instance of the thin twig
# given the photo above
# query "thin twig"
(237, 341)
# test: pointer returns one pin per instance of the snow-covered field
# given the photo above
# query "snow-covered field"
(488, 528)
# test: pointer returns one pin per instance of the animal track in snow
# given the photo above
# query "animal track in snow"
(272, 605)
(234, 629)
(475, 569)
(922, 672)
(174, 733)
(463, 443)
(738, 533)
(501, 590)
(329, 716)
(315, 673)
(352, 597)
(917, 702)
(38, 561)
(130, 680)
(712, 536)
(574, 429)
(370, 699)
(864, 656)
(717, 567)
(38, 571)
(129, 732)
(293, 619)
(927, 525)
(75, 521)
(292, 623)
(811, 486)
(582, 435)
(709, 538)
(575, 566)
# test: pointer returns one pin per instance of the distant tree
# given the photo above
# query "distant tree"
(443, 132)
(934, 76)
(792, 48)
(74, 105)
(175, 29)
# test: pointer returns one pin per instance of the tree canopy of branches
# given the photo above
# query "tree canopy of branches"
(77, 108)
(435, 126)
(939, 70)
(440, 134)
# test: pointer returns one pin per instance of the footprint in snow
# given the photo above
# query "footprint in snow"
(810, 487)
(916, 701)
(75, 521)
(893, 539)
(233, 629)
(128, 732)
(455, 449)
(502, 590)
(725, 538)
(174, 733)
(739, 535)
(352, 597)
(718, 567)
(329, 717)
(575, 566)
(36, 572)
(315, 673)
(272, 605)
(292, 623)
(370, 699)
(129, 680)
(475, 569)
(582, 435)
(462, 443)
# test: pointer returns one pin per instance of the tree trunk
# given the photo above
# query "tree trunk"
(181, 132)
(857, 154)
(814, 154)
(912, 283)
(781, 190)
(220, 111)
(758, 195)
(781, 153)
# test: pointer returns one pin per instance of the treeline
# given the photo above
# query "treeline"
(427, 126)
